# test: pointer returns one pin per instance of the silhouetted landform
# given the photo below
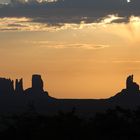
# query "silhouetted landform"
(128, 97)
(14, 99)
(32, 114)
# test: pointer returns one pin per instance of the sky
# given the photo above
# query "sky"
(82, 48)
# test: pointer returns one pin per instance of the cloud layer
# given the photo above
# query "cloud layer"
(63, 12)
(29, 24)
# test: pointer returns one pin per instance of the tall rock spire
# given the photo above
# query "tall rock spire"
(130, 85)
(19, 86)
(37, 88)
(37, 83)
(129, 82)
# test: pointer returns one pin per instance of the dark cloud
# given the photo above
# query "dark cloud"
(16, 25)
(71, 11)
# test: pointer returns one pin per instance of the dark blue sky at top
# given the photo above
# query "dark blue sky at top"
(71, 11)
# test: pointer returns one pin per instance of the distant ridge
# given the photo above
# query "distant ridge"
(14, 99)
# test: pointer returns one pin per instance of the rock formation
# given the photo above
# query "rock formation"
(130, 85)
(37, 83)
(6, 86)
(19, 86)
(13, 102)
(128, 97)
(37, 87)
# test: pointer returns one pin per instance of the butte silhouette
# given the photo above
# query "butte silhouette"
(14, 99)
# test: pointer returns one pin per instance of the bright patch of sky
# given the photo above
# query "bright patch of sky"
(128, 1)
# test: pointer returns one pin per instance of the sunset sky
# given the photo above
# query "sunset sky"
(82, 48)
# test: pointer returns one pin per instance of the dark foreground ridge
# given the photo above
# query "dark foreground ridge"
(14, 99)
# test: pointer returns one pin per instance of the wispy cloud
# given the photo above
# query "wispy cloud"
(22, 24)
(127, 61)
(65, 45)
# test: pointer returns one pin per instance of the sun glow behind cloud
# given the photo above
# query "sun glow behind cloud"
(109, 24)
